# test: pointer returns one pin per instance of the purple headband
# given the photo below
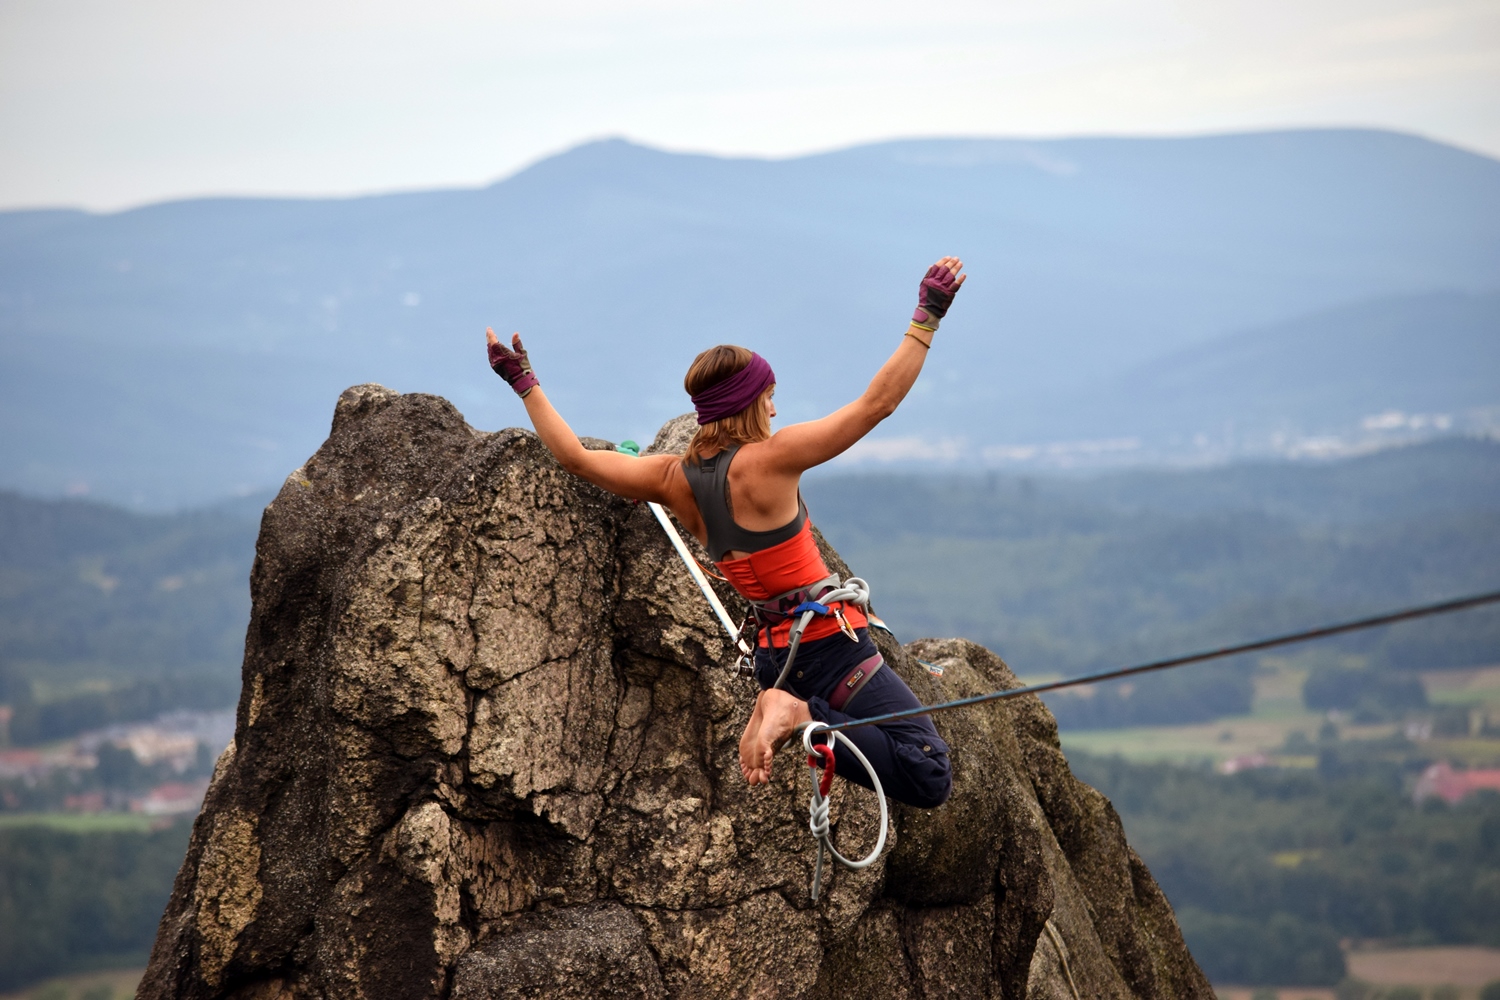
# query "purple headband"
(735, 393)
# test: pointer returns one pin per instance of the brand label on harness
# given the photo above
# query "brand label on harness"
(854, 678)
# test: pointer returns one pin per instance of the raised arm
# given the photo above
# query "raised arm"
(636, 478)
(792, 450)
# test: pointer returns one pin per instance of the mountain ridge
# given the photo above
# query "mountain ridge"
(122, 335)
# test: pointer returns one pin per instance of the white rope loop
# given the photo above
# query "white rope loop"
(817, 822)
(854, 591)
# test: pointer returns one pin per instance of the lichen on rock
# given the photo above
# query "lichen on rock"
(227, 892)
(486, 747)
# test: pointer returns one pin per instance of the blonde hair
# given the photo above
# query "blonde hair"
(750, 424)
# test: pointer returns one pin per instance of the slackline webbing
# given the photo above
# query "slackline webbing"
(1405, 614)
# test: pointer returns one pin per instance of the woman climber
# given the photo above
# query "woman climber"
(736, 490)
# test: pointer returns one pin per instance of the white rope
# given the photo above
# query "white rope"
(855, 590)
(817, 811)
(1062, 955)
(703, 584)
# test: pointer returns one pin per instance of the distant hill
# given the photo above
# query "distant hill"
(1428, 480)
(1432, 480)
(107, 614)
(114, 591)
(177, 353)
(1361, 373)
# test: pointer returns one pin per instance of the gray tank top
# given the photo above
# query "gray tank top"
(710, 482)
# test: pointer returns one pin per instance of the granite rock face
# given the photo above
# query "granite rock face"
(486, 747)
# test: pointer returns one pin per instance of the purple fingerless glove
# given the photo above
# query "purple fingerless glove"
(935, 295)
(513, 366)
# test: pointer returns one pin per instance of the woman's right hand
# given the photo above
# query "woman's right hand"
(935, 294)
(511, 363)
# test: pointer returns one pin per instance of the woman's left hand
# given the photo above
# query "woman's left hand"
(935, 294)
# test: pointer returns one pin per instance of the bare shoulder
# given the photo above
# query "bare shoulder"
(755, 453)
(788, 449)
(679, 498)
(753, 462)
(674, 481)
(670, 468)
(668, 471)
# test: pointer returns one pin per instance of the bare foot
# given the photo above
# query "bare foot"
(779, 714)
(747, 741)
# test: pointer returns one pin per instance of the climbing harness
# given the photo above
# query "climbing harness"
(817, 821)
(821, 599)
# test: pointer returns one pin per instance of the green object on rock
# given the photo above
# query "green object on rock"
(628, 447)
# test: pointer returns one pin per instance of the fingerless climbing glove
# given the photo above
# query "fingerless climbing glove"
(934, 296)
(513, 366)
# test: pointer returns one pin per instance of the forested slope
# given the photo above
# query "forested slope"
(108, 615)
(1269, 870)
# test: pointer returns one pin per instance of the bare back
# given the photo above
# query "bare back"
(762, 498)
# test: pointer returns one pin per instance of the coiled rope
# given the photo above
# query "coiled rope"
(817, 810)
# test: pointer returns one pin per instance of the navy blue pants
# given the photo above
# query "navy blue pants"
(908, 754)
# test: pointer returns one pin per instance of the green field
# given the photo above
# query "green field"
(85, 822)
(1277, 713)
(108, 985)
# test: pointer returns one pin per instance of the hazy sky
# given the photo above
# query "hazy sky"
(105, 103)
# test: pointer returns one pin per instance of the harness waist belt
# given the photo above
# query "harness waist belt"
(854, 681)
(785, 604)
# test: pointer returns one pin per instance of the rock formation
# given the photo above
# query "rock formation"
(486, 747)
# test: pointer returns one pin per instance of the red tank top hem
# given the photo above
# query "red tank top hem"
(784, 567)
